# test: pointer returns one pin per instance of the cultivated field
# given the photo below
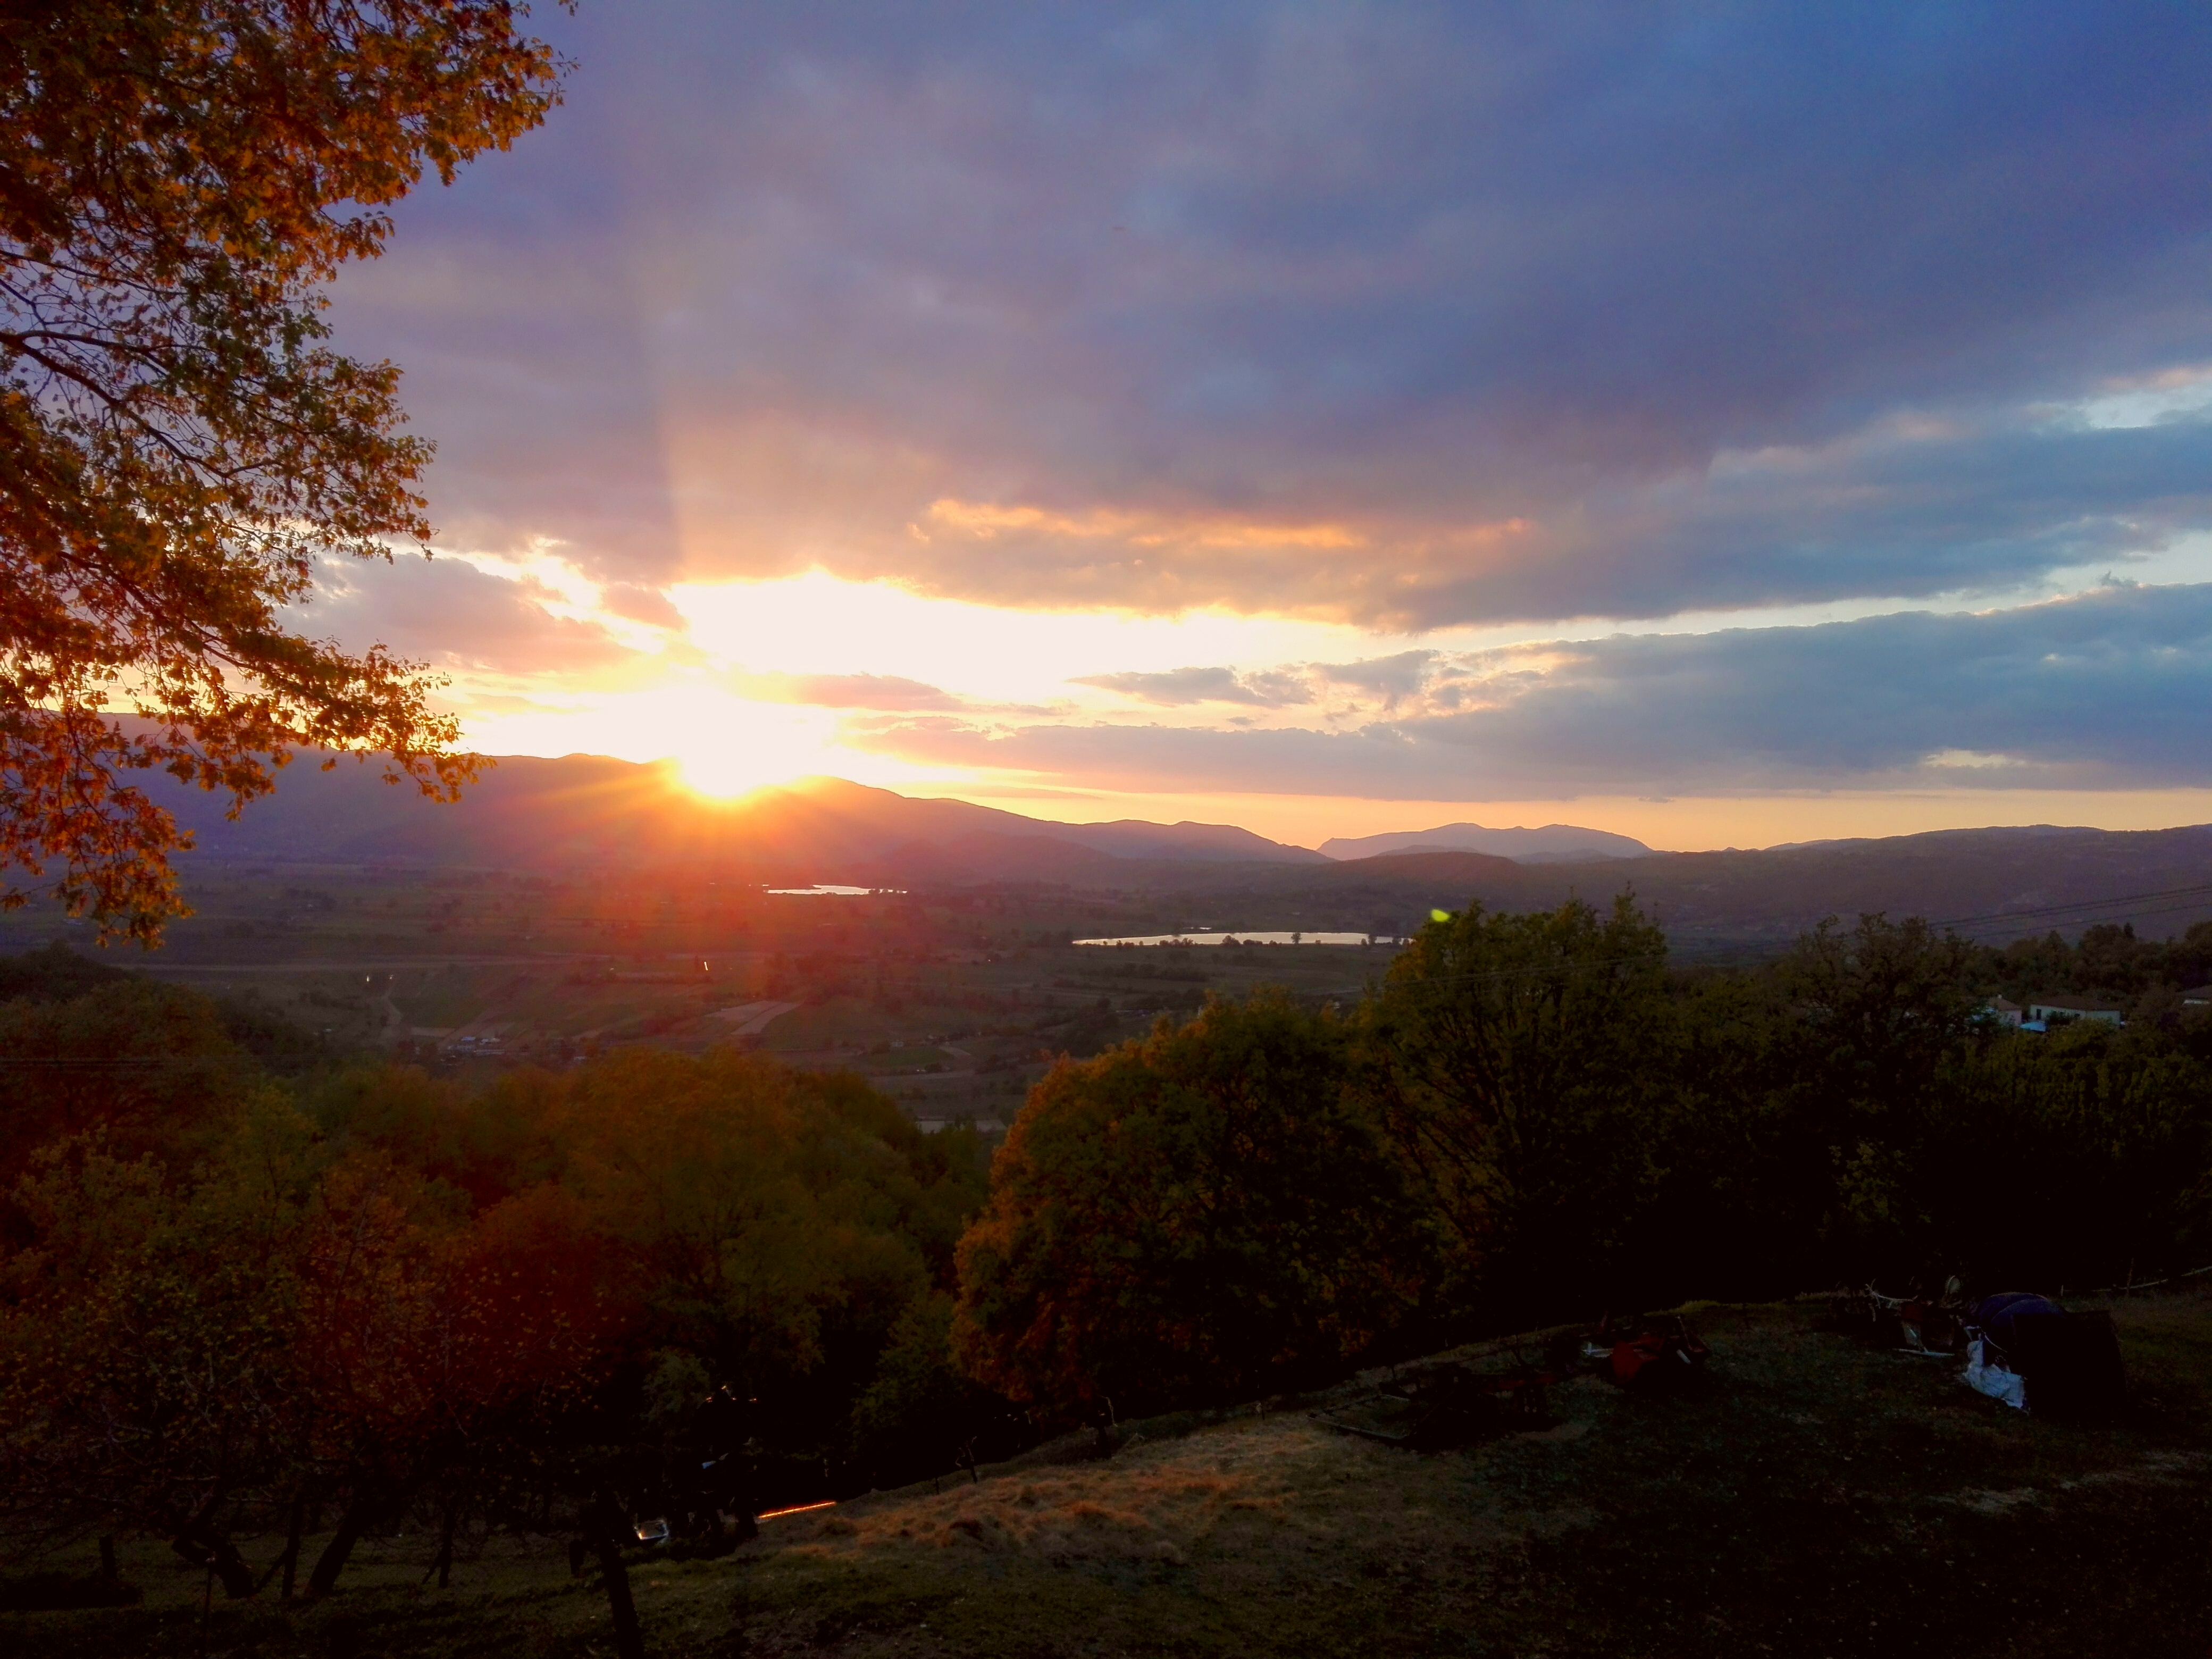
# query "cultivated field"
(951, 1005)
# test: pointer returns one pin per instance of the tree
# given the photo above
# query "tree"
(145, 1341)
(1198, 1214)
(178, 446)
(1878, 1009)
(758, 1210)
(183, 1356)
(921, 1411)
(149, 1065)
(1519, 1060)
(420, 1340)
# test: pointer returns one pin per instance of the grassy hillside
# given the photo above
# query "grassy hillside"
(1820, 1499)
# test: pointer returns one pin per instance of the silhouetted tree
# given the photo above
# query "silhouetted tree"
(1523, 1064)
(1205, 1212)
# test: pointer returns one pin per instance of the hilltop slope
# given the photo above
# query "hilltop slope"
(1821, 1499)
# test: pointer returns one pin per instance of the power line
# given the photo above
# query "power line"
(79, 1062)
(2131, 915)
(2201, 894)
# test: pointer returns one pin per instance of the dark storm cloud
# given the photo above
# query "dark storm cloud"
(2105, 690)
(1410, 314)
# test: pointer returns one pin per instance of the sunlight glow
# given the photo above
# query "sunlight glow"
(710, 702)
(821, 624)
(723, 745)
(773, 744)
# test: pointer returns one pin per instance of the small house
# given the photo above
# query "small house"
(2002, 1011)
(2054, 1010)
(2199, 998)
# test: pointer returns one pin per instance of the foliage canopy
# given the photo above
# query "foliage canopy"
(1193, 1215)
(178, 445)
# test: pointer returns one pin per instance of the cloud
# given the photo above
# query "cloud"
(2105, 690)
(1179, 687)
(1391, 678)
(1408, 315)
(454, 615)
(646, 604)
(878, 691)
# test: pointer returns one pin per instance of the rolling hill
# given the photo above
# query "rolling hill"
(1996, 884)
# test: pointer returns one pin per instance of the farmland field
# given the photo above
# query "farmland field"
(953, 1004)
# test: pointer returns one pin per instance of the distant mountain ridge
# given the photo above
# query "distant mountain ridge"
(1554, 843)
(1993, 884)
(529, 812)
(583, 812)
(1134, 838)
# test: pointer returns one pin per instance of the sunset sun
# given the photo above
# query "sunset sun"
(754, 744)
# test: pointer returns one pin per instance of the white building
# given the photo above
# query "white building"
(2053, 1010)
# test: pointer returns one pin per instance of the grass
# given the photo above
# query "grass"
(898, 1061)
(1820, 1499)
(442, 1000)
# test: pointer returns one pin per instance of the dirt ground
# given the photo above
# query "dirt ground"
(1819, 1499)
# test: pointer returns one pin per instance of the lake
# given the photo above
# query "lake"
(1241, 939)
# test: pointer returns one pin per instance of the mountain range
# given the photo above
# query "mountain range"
(588, 809)
(1555, 843)
(584, 809)
(584, 812)
(1993, 884)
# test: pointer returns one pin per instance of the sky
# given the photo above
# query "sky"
(1724, 424)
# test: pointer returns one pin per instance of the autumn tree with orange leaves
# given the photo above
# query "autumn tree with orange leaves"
(178, 445)
(236, 1308)
(273, 1331)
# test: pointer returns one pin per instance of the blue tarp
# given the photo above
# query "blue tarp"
(1996, 1314)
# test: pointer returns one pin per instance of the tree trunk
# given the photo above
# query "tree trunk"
(629, 1641)
(444, 1564)
(289, 1560)
(332, 1562)
(203, 1546)
(293, 1542)
(604, 1527)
